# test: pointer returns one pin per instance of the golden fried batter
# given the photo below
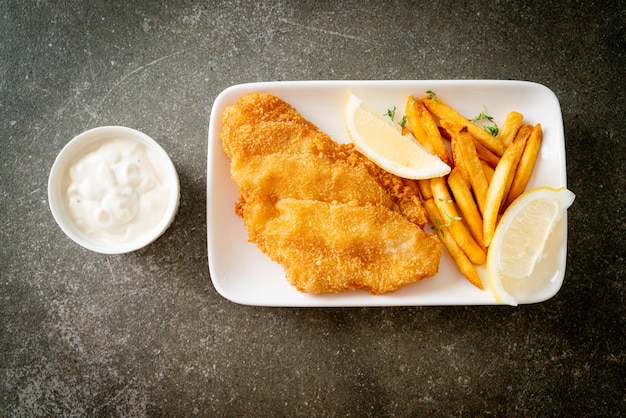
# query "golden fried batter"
(333, 219)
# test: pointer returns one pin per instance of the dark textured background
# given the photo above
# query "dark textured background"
(145, 333)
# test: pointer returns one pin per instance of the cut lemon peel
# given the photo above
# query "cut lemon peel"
(381, 140)
(520, 239)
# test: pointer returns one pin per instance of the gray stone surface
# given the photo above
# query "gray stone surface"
(146, 334)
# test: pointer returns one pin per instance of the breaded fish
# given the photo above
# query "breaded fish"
(333, 220)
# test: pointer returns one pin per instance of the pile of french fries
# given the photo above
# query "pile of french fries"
(488, 173)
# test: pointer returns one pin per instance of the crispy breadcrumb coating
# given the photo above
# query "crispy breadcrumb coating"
(333, 219)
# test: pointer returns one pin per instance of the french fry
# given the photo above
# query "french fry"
(432, 133)
(465, 266)
(457, 159)
(488, 170)
(488, 174)
(522, 135)
(485, 155)
(424, 186)
(415, 125)
(523, 132)
(526, 165)
(458, 230)
(444, 134)
(443, 111)
(500, 183)
(472, 164)
(465, 201)
(509, 128)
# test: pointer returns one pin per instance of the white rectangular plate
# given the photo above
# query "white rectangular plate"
(242, 274)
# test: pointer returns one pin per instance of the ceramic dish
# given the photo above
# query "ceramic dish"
(101, 240)
(242, 274)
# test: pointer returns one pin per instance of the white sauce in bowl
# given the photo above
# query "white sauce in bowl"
(115, 192)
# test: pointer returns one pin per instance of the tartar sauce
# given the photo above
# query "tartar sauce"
(115, 192)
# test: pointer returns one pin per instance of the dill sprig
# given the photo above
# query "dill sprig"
(391, 113)
(491, 127)
(439, 225)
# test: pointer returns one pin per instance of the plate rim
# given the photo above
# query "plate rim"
(232, 93)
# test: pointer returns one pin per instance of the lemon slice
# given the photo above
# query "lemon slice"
(520, 240)
(381, 140)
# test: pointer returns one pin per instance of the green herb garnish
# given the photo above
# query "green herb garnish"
(431, 96)
(439, 225)
(491, 127)
(392, 115)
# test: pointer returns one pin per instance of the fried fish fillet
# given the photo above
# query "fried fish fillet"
(334, 220)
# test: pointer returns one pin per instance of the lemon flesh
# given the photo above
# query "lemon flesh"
(381, 140)
(520, 240)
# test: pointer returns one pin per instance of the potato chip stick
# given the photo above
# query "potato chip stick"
(526, 165)
(523, 132)
(488, 174)
(485, 155)
(488, 170)
(476, 174)
(465, 266)
(457, 159)
(451, 219)
(415, 125)
(443, 111)
(500, 183)
(522, 135)
(432, 133)
(465, 201)
(509, 128)
(424, 186)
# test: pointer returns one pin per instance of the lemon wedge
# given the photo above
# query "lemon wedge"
(520, 240)
(381, 140)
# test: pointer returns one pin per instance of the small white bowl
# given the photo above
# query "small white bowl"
(81, 146)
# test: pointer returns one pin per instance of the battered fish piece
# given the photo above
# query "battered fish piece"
(333, 247)
(334, 220)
